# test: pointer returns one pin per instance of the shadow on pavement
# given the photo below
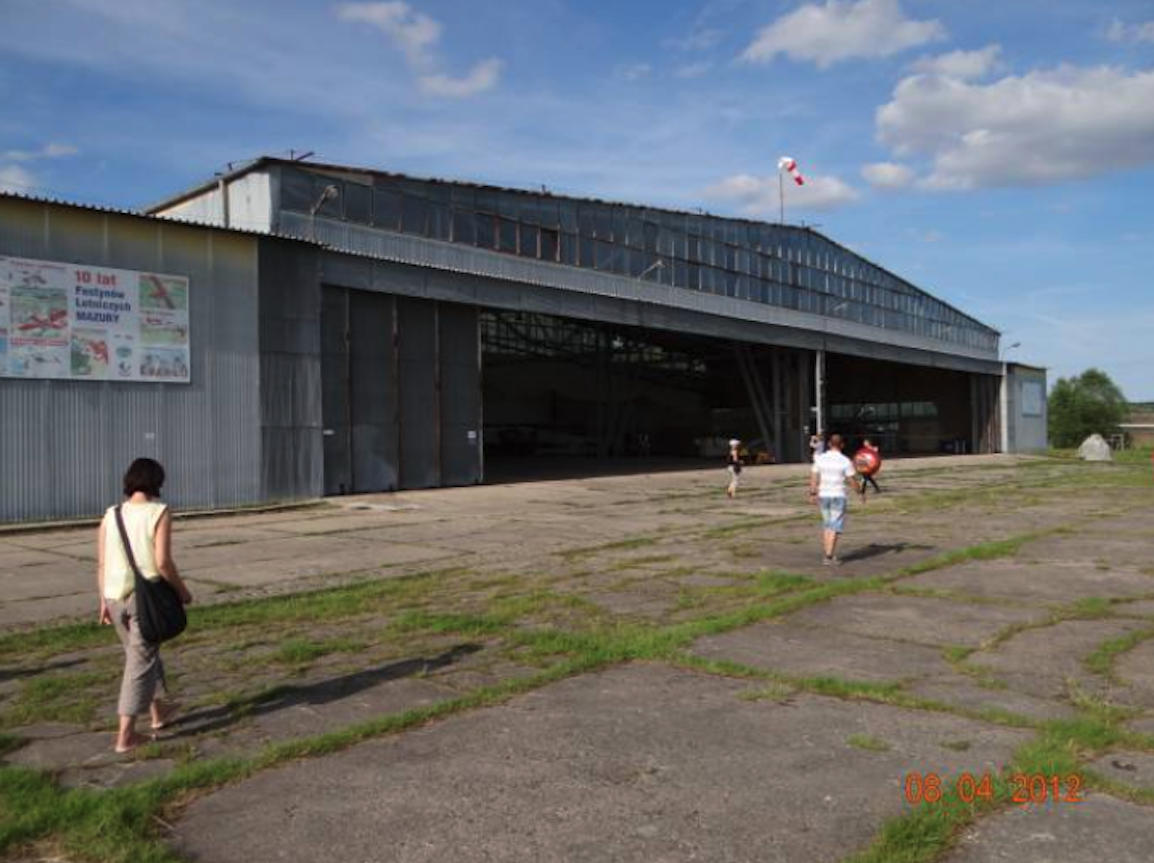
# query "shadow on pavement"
(878, 549)
(15, 673)
(319, 693)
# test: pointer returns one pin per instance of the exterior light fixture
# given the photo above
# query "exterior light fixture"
(656, 265)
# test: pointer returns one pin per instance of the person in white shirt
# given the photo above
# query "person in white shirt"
(827, 489)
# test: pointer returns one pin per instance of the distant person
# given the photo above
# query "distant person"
(148, 523)
(816, 446)
(733, 465)
(867, 449)
(827, 489)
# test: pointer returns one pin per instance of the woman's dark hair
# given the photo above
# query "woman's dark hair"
(144, 475)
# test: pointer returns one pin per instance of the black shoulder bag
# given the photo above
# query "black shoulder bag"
(159, 611)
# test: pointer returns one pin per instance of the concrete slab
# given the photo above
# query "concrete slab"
(1142, 608)
(118, 775)
(88, 749)
(1091, 549)
(1135, 769)
(812, 652)
(303, 558)
(1059, 583)
(960, 691)
(1040, 661)
(1136, 670)
(926, 620)
(642, 763)
(1101, 828)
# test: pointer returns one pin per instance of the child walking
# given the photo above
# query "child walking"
(733, 465)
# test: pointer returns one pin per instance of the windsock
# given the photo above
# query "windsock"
(785, 163)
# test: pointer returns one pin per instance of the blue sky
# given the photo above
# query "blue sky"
(998, 154)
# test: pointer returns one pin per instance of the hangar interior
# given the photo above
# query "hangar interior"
(567, 389)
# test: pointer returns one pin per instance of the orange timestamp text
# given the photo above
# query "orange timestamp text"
(1032, 788)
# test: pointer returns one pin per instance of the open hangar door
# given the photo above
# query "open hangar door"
(909, 409)
(571, 397)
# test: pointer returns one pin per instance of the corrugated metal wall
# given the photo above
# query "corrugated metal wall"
(290, 368)
(460, 395)
(419, 356)
(64, 445)
(372, 385)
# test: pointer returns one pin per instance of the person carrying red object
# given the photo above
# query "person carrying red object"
(868, 461)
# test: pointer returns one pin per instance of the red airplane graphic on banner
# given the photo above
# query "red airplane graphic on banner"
(57, 320)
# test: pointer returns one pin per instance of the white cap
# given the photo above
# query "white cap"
(734, 442)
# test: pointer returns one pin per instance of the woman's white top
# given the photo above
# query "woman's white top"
(140, 521)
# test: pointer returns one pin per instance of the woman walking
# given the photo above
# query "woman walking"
(148, 525)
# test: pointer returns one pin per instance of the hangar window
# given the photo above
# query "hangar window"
(463, 227)
(604, 259)
(567, 212)
(549, 243)
(529, 236)
(358, 203)
(486, 231)
(488, 201)
(386, 209)
(603, 224)
(415, 215)
(649, 242)
(547, 212)
(585, 251)
(296, 190)
(507, 206)
(569, 249)
(620, 224)
(507, 236)
(586, 220)
(439, 226)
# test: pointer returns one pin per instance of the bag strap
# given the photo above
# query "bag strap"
(127, 545)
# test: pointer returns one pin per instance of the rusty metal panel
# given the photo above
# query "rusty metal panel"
(65, 444)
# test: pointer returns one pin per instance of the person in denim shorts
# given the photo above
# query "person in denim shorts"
(828, 490)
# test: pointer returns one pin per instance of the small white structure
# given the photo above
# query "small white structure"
(1095, 448)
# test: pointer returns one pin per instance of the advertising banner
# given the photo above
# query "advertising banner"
(76, 322)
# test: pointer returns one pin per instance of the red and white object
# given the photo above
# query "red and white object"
(785, 163)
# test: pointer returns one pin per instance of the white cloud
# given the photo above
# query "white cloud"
(842, 30)
(888, 175)
(1120, 32)
(483, 77)
(636, 72)
(962, 65)
(418, 35)
(693, 70)
(758, 196)
(14, 178)
(413, 32)
(51, 150)
(700, 40)
(1043, 127)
